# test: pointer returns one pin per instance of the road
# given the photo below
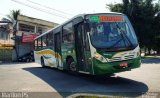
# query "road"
(30, 77)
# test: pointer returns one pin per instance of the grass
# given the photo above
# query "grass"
(96, 96)
(90, 97)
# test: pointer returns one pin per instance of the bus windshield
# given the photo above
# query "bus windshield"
(112, 35)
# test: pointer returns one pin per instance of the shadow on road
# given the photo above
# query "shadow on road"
(68, 84)
(151, 60)
(13, 63)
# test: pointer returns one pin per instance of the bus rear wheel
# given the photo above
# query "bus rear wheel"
(42, 62)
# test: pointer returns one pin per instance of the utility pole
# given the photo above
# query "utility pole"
(15, 41)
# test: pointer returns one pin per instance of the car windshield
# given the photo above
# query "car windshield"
(112, 35)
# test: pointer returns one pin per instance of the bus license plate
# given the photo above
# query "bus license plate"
(124, 64)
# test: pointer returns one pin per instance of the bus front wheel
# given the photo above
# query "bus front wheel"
(71, 65)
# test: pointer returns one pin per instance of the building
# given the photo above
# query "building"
(28, 26)
(32, 25)
(6, 43)
(21, 45)
(11, 48)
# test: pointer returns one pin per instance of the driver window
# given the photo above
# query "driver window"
(100, 28)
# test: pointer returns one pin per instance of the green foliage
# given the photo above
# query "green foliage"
(14, 19)
(117, 7)
(142, 16)
(14, 15)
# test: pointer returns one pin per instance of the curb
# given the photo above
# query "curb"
(89, 95)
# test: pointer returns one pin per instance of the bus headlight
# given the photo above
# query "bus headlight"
(138, 53)
(100, 57)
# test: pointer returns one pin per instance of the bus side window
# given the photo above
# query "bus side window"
(44, 42)
(50, 38)
(68, 33)
(36, 44)
(39, 43)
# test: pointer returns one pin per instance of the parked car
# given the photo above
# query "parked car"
(29, 57)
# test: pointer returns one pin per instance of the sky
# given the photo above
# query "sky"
(47, 9)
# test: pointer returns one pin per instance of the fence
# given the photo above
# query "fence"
(6, 54)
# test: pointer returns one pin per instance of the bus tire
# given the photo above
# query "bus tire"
(42, 62)
(71, 65)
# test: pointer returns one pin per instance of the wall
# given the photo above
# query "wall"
(25, 25)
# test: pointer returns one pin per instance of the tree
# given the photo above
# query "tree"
(14, 19)
(141, 13)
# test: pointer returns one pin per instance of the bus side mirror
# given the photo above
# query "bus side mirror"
(87, 27)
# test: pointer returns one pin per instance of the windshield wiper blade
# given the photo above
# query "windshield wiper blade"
(124, 35)
(115, 44)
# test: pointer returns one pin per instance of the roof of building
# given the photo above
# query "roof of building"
(36, 21)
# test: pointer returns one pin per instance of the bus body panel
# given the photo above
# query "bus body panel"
(68, 50)
(88, 58)
(111, 61)
(49, 57)
(114, 67)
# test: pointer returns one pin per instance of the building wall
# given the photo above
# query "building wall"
(6, 54)
(6, 43)
(29, 25)
(36, 21)
(5, 34)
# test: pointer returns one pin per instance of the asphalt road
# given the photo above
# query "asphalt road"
(30, 77)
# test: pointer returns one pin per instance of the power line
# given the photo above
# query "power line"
(48, 7)
(39, 9)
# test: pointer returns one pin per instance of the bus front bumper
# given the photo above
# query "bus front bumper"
(100, 68)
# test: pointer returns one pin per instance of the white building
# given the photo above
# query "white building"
(29, 25)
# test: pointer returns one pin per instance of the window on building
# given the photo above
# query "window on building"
(3, 32)
(26, 28)
(68, 33)
(39, 30)
(7, 36)
(1, 35)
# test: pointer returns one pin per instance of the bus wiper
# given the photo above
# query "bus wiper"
(115, 44)
(123, 35)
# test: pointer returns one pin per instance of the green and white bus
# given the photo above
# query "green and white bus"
(96, 44)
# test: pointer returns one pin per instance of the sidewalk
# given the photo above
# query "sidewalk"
(153, 56)
(151, 59)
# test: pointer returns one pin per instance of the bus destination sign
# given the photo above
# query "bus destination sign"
(105, 18)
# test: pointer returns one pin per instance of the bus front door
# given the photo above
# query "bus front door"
(80, 48)
(57, 42)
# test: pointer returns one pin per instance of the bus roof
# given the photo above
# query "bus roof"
(80, 15)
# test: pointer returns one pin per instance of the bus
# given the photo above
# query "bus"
(96, 44)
